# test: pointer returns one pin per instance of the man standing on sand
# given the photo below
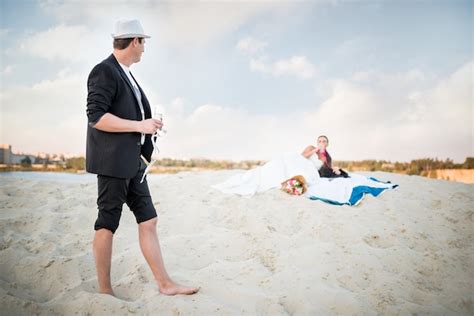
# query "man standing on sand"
(119, 132)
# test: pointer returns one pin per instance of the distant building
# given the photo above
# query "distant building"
(16, 159)
(6, 156)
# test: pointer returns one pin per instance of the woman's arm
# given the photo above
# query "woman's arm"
(309, 151)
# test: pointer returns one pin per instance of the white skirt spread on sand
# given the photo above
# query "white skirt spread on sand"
(338, 191)
(270, 175)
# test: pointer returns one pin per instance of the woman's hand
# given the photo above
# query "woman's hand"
(336, 170)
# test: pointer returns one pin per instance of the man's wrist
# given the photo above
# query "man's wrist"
(137, 126)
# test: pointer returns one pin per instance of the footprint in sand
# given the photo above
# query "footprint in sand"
(267, 258)
(456, 243)
(451, 220)
(377, 241)
(436, 204)
(347, 282)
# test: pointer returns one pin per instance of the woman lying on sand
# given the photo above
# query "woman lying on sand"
(314, 164)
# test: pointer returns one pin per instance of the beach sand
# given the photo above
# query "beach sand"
(408, 251)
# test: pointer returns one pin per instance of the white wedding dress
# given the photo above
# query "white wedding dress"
(338, 191)
(272, 174)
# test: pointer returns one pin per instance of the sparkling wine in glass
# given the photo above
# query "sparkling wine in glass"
(159, 116)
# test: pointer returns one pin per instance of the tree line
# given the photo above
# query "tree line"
(415, 167)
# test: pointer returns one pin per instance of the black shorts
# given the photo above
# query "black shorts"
(114, 192)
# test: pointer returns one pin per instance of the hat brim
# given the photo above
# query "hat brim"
(132, 35)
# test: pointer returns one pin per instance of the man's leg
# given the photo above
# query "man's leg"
(102, 247)
(112, 193)
(150, 247)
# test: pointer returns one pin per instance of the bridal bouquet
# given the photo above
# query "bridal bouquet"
(295, 185)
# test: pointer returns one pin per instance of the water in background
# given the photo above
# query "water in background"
(50, 176)
(61, 176)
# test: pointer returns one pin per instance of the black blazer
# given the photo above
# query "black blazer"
(110, 91)
(326, 170)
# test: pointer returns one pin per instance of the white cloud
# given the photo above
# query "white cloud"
(398, 116)
(298, 66)
(85, 27)
(250, 45)
(390, 120)
(8, 70)
(64, 42)
(48, 116)
(258, 65)
(216, 131)
(362, 122)
(178, 24)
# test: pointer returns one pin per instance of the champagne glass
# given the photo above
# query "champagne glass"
(159, 116)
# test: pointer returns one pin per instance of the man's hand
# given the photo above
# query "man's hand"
(336, 170)
(149, 126)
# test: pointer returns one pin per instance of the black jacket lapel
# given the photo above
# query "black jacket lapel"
(146, 105)
(125, 77)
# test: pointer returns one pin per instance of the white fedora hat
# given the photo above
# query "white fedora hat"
(129, 29)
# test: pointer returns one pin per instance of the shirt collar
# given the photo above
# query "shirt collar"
(125, 68)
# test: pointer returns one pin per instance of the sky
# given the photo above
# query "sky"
(389, 80)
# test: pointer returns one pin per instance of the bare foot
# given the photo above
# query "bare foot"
(175, 289)
(107, 291)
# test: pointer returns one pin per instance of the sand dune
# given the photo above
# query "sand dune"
(408, 251)
(460, 175)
